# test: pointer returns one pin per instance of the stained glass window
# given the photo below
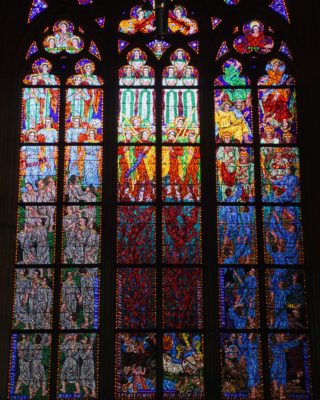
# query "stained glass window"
(262, 289)
(60, 160)
(160, 216)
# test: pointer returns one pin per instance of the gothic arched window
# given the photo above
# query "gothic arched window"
(159, 249)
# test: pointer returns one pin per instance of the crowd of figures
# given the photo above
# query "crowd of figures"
(33, 298)
(81, 235)
(32, 354)
(79, 298)
(36, 234)
(77, 366)
(239, 298)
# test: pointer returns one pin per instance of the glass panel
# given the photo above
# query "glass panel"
(241, 369)
(80, 298)
(141, 20)
(135, 370)
(137, 116)
(276, 74)
(280, 170)
(63, 38)
(136, 240)
(41, 69)
(136, 298)
(290, 372)
(40, 114)
(283, 236)
(83, 174)
(239, 298)
(254, 39)
(183, 366)
(233, 116)
(278, 116)
(182, 298)
(237, 235)
(180, 119)
(77, 369)
(286, 299)
(38, 174)
(30, 366)
(84, 69)
(136, 73)
(181, 235)
(33, 291)
(181, 175)
(84, 115)
(36, 235)
(136, 173)
(180, 73)
(235, 174)
(81, 234)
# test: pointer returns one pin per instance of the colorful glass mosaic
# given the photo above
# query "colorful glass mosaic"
(285, 50)
(276, 74)
(158, 47)
(286, 298)
(280, 171)
(290, 374)
(215, 22)
(239, 298)
(33, 49)
(37, 176)
(136, 298)
(135, 369)
(183, 366)
(237, 235)
(278, 116)
(283, 237)
(37, 7)
(180, 73)
(232, 75)
(122, 44)
(235, 174)
(181, 235)
(84, 2)
(178, 21)
(241, 369)
(180, 119)
(181, 175)
(101, 21)
(78, 365)
(30, 359)
(84, 69)
(41, 75)
(93, 49)
(223, 49)
(195, 45)
(233, 116)
(254, 39)
(36, 235)
(141, 20)
(136, 235)
(136, 173)
(280, 7)
(84, 114)
(182, 298)
(81, 234)
(136, 72)
(63, 38)
(33, 298)
(83, 173)
(232, 2)
(80, 297)
(136, 122)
